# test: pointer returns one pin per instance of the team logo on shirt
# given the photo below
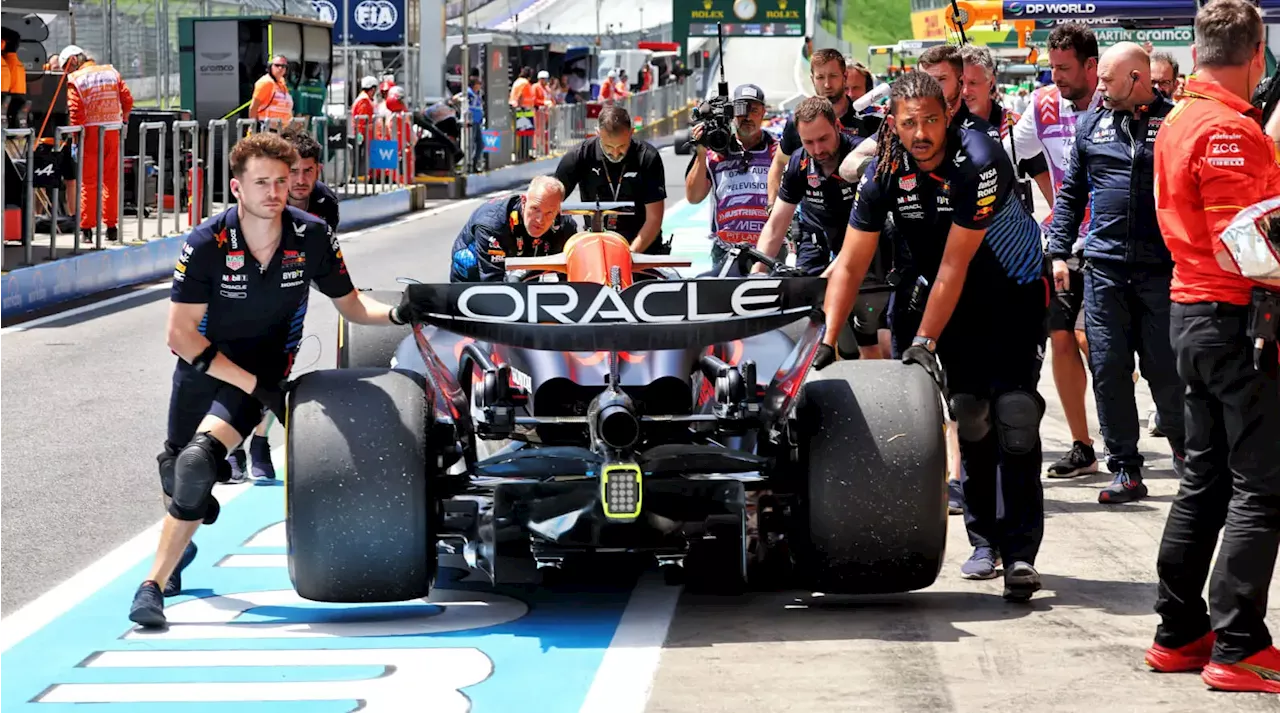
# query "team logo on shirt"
(814, 180)
(235, 260)
(293, 259)
(222, 238)
(907, 182)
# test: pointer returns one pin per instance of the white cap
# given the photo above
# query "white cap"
(544, 74)
(366, 83)
(612, 74)
(395, 93)
(68, 52)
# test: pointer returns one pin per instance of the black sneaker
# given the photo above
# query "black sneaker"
(148, 607)
(173, 587)
(1080, 460)
(1021, 580)
(1127, 487)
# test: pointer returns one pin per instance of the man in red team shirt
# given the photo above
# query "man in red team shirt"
(1212, 160)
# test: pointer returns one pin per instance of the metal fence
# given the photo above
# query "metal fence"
(553, 130)
(140, 37)
(180, 176)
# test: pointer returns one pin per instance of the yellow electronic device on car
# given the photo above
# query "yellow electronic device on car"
(621, 490)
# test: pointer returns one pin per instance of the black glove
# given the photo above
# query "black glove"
(402, 314)
(916, 354)
(825, 357)
(271, 396)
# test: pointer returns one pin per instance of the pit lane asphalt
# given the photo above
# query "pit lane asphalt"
(83, 417)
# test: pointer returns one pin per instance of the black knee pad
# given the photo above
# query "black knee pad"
(197, 469)
(973, 417)
(167, 461)
(1018, 416)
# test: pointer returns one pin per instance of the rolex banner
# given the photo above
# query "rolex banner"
(740, 18)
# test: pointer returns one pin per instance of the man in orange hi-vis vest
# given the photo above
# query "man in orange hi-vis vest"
(271, 97)
(96, 96)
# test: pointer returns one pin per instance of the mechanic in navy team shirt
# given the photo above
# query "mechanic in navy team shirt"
(306, 192)
(811, 182)
(239, 300)
(527, 224)
(950, 192)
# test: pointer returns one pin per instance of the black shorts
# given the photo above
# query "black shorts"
(197, 395)
(870, 314)
(1066, 309)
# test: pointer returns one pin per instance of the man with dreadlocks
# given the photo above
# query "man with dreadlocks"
(950, 192)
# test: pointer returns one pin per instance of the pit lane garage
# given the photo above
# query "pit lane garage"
(596, 404)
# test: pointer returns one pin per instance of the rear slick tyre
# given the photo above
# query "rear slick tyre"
(360, 517)
(363, 346)
(872, 515)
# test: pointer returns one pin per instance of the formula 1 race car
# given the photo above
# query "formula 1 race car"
(596, 403)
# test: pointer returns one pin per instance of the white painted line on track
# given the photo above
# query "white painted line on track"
(625, 677)
(85, 308)
(62, 598)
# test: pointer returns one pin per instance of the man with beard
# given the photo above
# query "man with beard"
(1126, 279)
(812, 183)
(828, 71)
(239, 299)
(615, 167)
(738, 178)
(308, 193)
(949, 190)
(1049, 128)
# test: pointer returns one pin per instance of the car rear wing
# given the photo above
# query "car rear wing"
(648, 315)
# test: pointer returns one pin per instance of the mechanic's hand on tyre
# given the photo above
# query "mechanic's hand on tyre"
(272, 396)
(1061, 276)
(916, 354)
(825, 357)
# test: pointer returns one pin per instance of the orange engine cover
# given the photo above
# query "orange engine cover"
(591, 257)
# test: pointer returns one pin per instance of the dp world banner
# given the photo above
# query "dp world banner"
(1127, 9)
(369, 22)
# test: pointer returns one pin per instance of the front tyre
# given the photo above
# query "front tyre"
(360, 516)
(872, 515)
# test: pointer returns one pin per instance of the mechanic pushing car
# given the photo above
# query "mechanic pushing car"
(309, 194)
(738, 177)
(616, 167)
(950, 192)
(828, 71)
(825, 201)
(239, 298)
(526, 224)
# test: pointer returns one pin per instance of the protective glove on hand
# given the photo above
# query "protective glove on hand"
(916, 354)
(272, 396)
(825, 356)
(401, 314)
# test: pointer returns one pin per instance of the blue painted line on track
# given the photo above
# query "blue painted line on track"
(544, 660)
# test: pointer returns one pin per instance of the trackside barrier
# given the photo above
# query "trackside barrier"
(190, 151)
(29, 189)
(211, 174)
(60, 144)
(141, 169)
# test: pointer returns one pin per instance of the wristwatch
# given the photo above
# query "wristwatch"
(927, 342)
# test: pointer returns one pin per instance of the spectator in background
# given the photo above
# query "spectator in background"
(97, 95)
(362, 119)
(609, 87)
(522, 90)
(14, 84)
(475, 115)
(271, 97)
(542, 93)
(1164, 74)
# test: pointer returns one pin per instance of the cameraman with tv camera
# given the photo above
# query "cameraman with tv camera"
(732, 159)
